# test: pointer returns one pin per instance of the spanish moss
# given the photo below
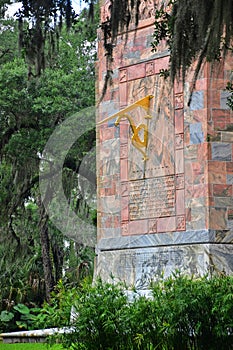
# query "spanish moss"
(199, 30)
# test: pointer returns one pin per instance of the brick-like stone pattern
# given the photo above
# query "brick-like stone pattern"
(200, 141)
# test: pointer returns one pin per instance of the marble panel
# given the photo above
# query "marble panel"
(197, 101)
(139, 268)
(218, 218)
(166, 239)
(196, 134)
(221, 151)
(223, 99)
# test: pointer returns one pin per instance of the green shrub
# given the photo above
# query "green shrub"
(56, 313)
(183, 313)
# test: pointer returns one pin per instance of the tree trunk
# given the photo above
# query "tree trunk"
(45, 250)
(58, 258)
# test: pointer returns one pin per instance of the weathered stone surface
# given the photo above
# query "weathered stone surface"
(223, 99)
(196, 133)
(197, 101)
(140, 267)
(221, 151)
(166, 239)
(152, 198)
(166, 204)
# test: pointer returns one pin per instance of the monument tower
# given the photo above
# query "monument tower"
(165, 170)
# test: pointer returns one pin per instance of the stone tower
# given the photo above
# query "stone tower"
(165, 170)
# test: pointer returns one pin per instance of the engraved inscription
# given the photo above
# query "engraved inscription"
(151, 198)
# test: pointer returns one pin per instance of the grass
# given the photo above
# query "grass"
(29, 346)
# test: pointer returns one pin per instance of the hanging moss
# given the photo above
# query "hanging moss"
(194, 29)
(122, 13)
(40, 22)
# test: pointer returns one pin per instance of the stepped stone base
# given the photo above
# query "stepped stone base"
(139, 260)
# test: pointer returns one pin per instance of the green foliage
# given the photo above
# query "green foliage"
(57, 312)
(53, 314)
(199, 30)
(100, 317)
(181, 313)
(31, 108)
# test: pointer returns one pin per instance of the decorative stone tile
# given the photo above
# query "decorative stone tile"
(197, 169)
(229, 166)
(150, 68)
(123, 94)
(218, 218)
(123, 75)
(146, 9)
(222, 190)
(152, 226)
(196, 134)
(179, 101)
(125, 229)
(180, 223)
(124, 169)
(136, 71)
(179, 141)
(105, 11)
(178, 87)
(124, 189)
(198, 215)
(224, 94)
(107, 133)
(110, 205)
(124, 210)
(179, 121)
(230, 179)
(141, 267)
(191, 153)
(180, 181)
(197, 101)
(224, 202)
(123, 151)
(188, 214)
(221, 151)
(124, 132)
(180, 202)
(179, 161)
(217, 172)
(200, 190)
(138, 227)
(166, 224)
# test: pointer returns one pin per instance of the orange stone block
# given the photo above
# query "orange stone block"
(180, 202)
(166, 224)
(222, 190)
(138, 227)
(217, 172)
(218, 218)
(124, 169)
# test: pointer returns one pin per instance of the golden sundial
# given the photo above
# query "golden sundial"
(140, 132)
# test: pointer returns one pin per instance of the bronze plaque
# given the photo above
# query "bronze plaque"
(151, 198)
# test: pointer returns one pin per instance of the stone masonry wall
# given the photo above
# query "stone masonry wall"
(174, 210)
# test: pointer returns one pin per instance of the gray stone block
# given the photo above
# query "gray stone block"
(221, 151)
(197, 101)
(196, 133)
(140, 267)
(229, 179)
(165, 239)
(224, 94)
